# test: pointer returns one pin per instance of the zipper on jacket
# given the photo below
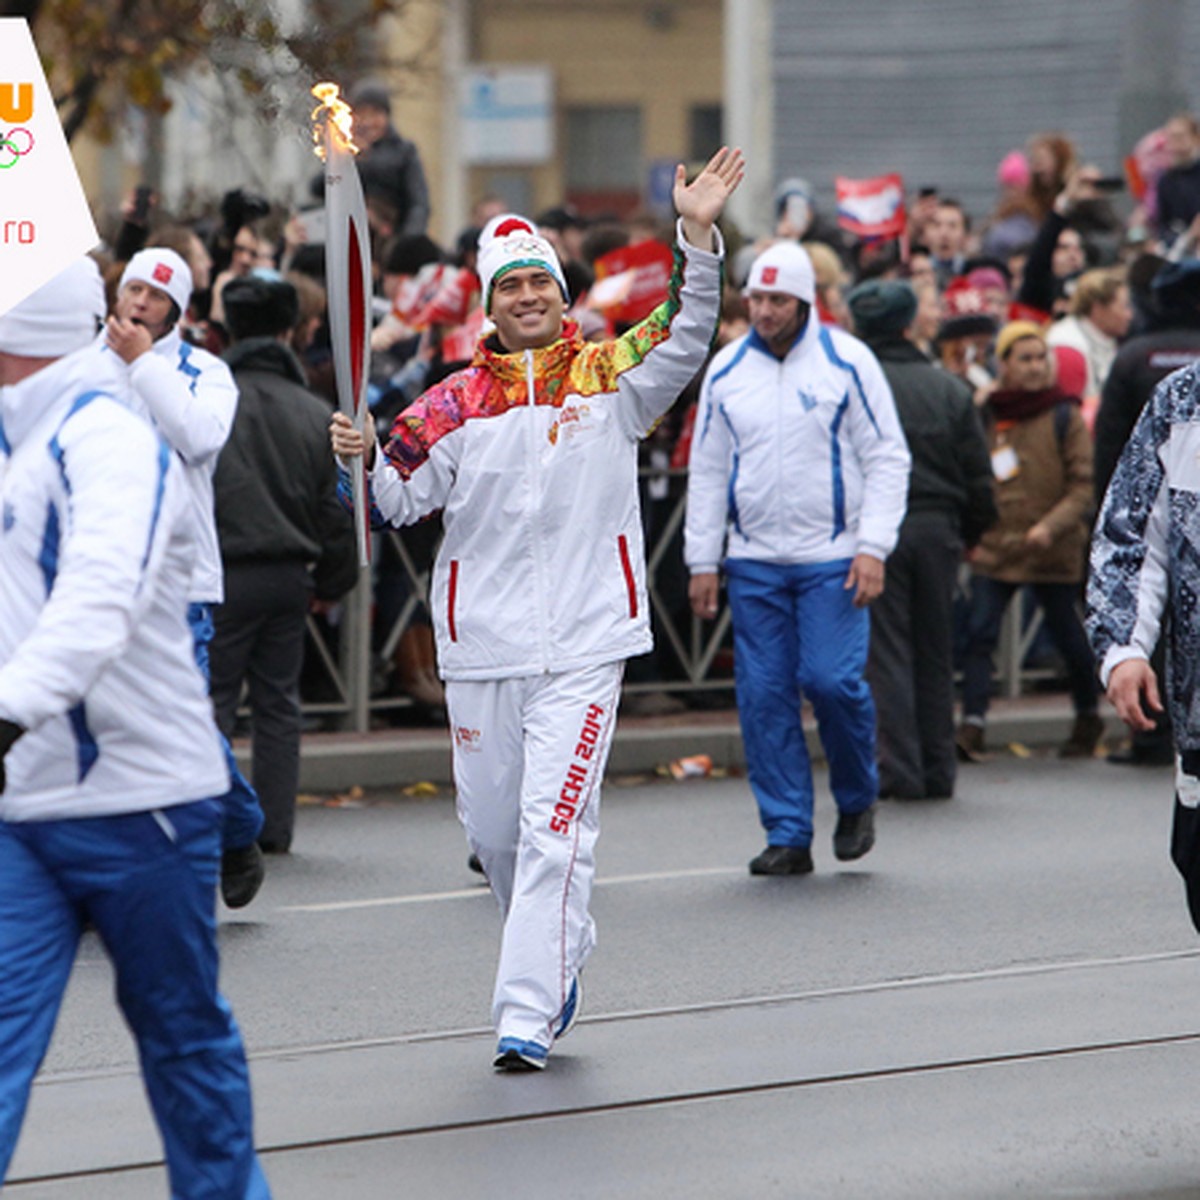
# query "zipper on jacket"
(782, 547)
(539, 569)
(627, 569)
(452, 600)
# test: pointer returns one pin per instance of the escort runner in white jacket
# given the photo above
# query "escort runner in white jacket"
(797, 483)
(95, 560)
(187, 394)
(539, 588)
(795, 461)
(109, 755)
(190, 397)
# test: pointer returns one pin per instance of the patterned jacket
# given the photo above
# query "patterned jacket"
(532, 457)
(1146, 550)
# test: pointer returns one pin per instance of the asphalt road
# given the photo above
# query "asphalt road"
(999, 1000)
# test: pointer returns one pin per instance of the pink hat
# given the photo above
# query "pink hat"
(986, 278)
(1013, 170)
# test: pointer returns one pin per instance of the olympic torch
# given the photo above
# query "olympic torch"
(348, 279)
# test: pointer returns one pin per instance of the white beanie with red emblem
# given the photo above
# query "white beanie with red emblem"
(509, 241)
(163, 269)
(784, 267)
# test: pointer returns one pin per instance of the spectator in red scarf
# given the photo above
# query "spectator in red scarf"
(1042, 461)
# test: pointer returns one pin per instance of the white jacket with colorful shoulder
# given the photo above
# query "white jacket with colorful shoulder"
(532, 457)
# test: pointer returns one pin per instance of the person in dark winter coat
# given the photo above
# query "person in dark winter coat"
(285, 540)
(1171, 341)
(951, 503)
(1179, 187)
(389, 165)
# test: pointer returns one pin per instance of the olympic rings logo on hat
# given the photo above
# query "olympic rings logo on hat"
(516, 246)
(14, 145)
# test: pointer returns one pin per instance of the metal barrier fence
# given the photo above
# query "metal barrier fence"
(694, 648)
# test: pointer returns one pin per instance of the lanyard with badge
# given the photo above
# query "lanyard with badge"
(1005, 463)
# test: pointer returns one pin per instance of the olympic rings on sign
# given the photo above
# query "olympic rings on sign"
(14, 145)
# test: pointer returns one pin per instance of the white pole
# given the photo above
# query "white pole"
(749, 110)
(455, 205)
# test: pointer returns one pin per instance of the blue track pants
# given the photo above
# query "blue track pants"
(147, 881)
(796, 630)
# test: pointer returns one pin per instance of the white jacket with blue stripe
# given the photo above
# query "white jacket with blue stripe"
(96, 659)
(799, 460)
(190, 397)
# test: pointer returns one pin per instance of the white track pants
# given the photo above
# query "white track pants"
(529, 756)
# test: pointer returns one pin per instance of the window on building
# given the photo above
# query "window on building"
(704, 131)
(603, 158)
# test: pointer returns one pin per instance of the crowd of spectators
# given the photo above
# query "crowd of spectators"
(1103, 271)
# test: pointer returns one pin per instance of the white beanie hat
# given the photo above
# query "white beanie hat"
(163, 269)
(784, 267)
(509, 241)
(62, 316)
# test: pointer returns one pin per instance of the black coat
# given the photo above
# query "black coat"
(1141, 364)
(951, 469)
(276, 480)
(1178, 199)
(391, 171)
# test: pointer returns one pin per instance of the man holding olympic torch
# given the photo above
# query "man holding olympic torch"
(539, 591)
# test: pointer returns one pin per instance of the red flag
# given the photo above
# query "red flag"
(871, 208)
(631, 282)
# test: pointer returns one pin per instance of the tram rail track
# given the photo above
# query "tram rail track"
(554, 1109)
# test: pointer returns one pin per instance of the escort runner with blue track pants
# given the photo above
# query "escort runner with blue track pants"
(797, 483)
(109, 755)
(190, 397)
(539, 591)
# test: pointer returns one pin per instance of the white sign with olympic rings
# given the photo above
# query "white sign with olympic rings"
(15, 144)
(45, 221)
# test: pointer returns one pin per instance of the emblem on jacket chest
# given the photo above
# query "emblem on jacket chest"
(807, 400)
(572, 419)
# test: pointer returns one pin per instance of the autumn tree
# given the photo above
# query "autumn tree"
(102, 55)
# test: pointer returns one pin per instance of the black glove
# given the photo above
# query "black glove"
(9, 732)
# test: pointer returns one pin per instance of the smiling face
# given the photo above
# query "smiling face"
(146, 305)
(527, 307)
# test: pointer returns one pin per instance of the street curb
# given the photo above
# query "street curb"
(396, 758)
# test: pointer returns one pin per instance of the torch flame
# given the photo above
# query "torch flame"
(334, 114)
